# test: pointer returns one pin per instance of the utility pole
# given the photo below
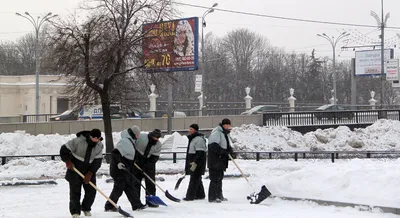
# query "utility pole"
(37, 24)
(203, 72)
(333, 43)
(381, 21)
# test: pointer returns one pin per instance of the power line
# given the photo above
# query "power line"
(283, 18)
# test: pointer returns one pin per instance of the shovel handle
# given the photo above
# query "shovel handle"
(95, 187)
(149, 178)
(237, 166)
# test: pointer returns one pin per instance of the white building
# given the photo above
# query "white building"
(18, 93)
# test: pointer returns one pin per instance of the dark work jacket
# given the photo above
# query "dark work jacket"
(218, 156)
(85, 154)
(199, 157)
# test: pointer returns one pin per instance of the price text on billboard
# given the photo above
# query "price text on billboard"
(171, 45)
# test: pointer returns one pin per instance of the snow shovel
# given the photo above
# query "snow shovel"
(122, 212)
(253, 197)
(167, 194)
(178, 183)
(150, 198)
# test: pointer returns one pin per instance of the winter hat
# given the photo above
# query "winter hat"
(135, 129)
(226, 121)
(156, 133)
(195, 126)
(95, 133)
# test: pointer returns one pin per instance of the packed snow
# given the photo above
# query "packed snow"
(382, 135)
(361, 181)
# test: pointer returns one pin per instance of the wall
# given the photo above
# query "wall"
(72, 127)
(18, 94)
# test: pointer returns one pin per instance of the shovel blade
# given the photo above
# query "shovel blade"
(178, 183)
(172, 198)
(258, 198)
(155, 200)
(124, 213)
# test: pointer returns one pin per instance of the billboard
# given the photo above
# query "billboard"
(368, 63)
(392, 69)
(171, 45)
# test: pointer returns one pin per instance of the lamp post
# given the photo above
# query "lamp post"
(382, 24)
(203, 72)
(37, 24)
(333, 43)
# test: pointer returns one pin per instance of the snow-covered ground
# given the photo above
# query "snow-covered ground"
(366, 181)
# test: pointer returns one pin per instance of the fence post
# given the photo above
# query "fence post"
(368, 155)
(304, 155)
(291, 100)
(257, 156)
(248, 98)
(270, 155)
(152, 98)
(174, 157)
(3, 160)
(333, 157)
(295, 157)
(372, 101)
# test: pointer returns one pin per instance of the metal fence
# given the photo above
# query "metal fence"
(311, 118)
(254, 155)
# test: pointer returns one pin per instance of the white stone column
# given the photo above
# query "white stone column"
(372, 101)
(332, 100)
(248, 98)
(201, 104)
(291, 100)
(152, 98)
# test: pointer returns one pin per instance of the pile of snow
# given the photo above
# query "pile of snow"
(382, 135)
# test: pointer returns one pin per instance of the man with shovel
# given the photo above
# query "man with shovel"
(147, 153)
(121, 165)
(195, 163)
(85, 154)
(219, 148)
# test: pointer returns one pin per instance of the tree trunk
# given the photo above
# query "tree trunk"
(105, 103)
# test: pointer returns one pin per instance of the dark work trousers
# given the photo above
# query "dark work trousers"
(75, 187)
(123, 184)
(150, 187)
(215, 188)
(195, 189)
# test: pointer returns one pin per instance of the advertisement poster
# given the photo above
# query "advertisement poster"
(171, 45)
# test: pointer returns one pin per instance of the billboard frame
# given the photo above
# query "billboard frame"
(194, 67)
(378, 62)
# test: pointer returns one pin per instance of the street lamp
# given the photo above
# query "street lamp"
(203, 72)
(382, 24)
(37, 24)
(333, 42)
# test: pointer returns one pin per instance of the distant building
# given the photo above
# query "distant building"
(18, 93)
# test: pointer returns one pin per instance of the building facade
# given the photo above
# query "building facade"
(18, 95)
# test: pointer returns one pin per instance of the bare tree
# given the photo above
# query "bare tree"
(102, 54)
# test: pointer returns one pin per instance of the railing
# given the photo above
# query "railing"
(311, 118)
(258, 155)
(33, 118)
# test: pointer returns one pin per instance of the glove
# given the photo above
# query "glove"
(88, 177)
(193, 166)
(69, 164)
(121, 166)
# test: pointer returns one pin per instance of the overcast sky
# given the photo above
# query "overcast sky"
(290, 35)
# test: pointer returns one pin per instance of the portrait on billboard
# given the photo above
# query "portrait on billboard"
(184, 39)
